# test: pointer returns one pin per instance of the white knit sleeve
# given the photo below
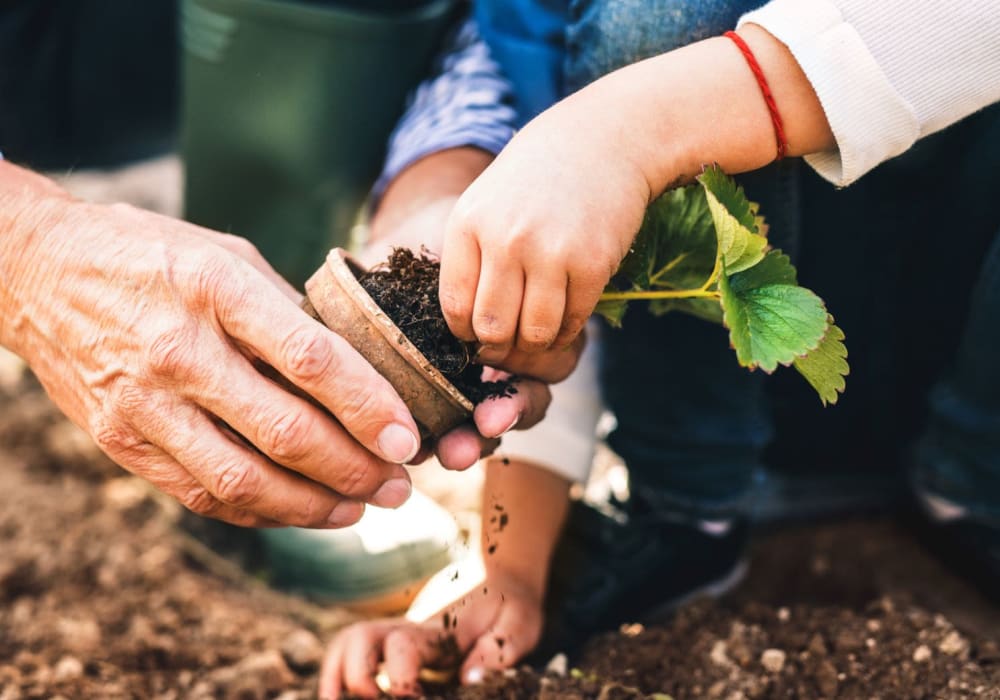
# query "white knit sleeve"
(565, 441)
(888, 72)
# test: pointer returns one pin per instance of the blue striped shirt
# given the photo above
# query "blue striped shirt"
(466, 102)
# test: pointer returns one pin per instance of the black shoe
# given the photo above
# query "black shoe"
(621, 566)
(968, 546)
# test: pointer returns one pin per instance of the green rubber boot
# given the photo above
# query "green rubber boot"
(287, 107)
(375, 567)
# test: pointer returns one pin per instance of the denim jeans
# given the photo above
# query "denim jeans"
(895, 255)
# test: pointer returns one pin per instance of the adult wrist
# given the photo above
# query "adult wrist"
(31, 207)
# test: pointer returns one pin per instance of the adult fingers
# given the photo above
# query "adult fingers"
(460, 448)
(460, 263)
(169, 476)
(326, 367)
(239, 477)
(497, 307)
(249, 252)
(298, 435)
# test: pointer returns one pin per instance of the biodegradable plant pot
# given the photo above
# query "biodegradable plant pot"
(335, 297)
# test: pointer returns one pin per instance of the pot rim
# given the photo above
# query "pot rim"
(342, 265)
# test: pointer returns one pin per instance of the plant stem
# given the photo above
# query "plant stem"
(661, 294)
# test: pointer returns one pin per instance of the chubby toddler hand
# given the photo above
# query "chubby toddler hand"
(493, 626)
(532, 242)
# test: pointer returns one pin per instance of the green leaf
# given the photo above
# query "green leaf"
(737, 225)
(613, 310)
(771, 321)
(826, 366)
(675, 246)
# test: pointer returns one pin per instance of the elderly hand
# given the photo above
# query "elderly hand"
(147, 331)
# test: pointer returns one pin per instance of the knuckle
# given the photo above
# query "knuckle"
(361, 410)
(286, 439)
(237, 484)
(198, 500)
(241, 246)
(307, 353)
(210, 276)
(117, 438)
(357, 480)
(171, 351)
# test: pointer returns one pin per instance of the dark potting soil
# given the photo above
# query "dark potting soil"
(406, 287)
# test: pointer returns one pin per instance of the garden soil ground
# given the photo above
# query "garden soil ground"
(101, 596)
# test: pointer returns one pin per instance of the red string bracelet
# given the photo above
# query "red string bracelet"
(779, 127)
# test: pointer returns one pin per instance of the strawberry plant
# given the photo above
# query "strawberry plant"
(703, 249)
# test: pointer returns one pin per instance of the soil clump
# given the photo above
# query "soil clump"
(406, 287)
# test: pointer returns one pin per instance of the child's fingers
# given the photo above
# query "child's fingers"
(407, 650)
(514, 634)
(362, 651)
(330, 673)
(582, 295)
(495, 417)
(553, 365)
(460, 262)
(542, 309)
(497, 307)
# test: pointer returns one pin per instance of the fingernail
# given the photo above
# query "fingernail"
(392, 494)
(397, 443)
(345, 513)
(513, 424)
(474, 675)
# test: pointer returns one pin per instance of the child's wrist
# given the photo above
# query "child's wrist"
(527, 580)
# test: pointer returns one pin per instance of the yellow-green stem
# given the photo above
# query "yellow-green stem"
(661, 294)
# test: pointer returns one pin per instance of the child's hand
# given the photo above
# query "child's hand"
(494, 626)
(533, 241)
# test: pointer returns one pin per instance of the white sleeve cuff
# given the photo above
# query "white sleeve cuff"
(565, 441)
(870, 120)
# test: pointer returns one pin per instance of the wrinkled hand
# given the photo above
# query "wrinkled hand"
(533, 241)
(145, 331)
(493, 630)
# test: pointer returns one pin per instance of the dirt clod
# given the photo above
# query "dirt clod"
(406, 287)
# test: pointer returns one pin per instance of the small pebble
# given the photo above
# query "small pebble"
(922, 654)
(718, 654)
(68, 668)
(784, 614)
(953, 644)
(557, 665)
(302, 650)
(773, 660)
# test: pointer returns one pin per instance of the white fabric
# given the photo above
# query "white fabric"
(888, 72)
(565, 441)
